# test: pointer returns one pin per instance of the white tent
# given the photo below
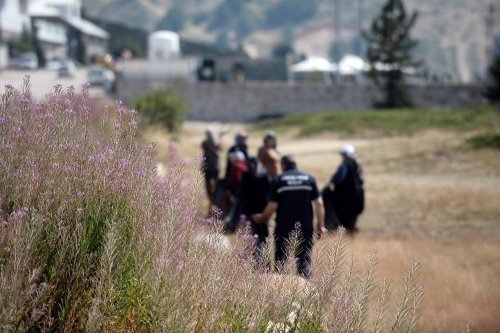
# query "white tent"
(314, 64)
(352, 65)
(381, 67)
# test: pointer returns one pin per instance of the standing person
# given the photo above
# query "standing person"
(238, 168)
(269, 156)
(291, 197)
(229, 201)
(346, 187)
(240, 144)
(254, 194)
(210, 166)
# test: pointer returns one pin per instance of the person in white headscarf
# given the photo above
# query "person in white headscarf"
(345, 191)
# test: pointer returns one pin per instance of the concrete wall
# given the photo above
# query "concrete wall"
(234, 102)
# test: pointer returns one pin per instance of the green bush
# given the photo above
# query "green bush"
(162, 107)
(488, 140)
(492, 92)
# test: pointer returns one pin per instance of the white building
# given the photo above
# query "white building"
(62, 31)
(51, 30)
(13, 18)
(59, 27)
(164, 45)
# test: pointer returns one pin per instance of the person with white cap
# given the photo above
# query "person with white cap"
(346, 192)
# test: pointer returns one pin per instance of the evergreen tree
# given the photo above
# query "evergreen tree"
(492, 92)
(390, 52)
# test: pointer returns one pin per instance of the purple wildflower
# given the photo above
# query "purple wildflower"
(18, 214)
(16, 130)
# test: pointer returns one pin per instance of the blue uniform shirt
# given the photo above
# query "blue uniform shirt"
(294, 192)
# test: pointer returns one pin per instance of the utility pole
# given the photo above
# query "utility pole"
(336, 33)
(361, 19)
(490, 32)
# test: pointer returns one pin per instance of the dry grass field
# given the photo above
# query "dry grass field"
(429, 198)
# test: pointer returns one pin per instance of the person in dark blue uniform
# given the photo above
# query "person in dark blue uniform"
(292, 196)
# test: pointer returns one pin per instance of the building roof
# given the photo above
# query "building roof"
(37, 10)
(164, 34)
(87, 27)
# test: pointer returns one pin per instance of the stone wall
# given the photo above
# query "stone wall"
(232, 102)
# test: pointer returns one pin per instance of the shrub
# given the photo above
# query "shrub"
(492, 91)
(488, 140)
(92, 240)
(162, 107)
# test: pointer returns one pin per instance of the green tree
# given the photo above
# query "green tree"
(162, 107)
(390, 52)
(492, 91)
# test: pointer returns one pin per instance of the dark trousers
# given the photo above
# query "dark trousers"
(261, 231)
(348, 220)
(303, 252)
(337, 215)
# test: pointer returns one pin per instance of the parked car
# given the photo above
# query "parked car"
(53, 65)
(27, 60)
(99, 76)
(68, 69)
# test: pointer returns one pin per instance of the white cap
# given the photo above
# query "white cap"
(348, 151)
(237, 156)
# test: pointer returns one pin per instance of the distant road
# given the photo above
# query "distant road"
(42, 81)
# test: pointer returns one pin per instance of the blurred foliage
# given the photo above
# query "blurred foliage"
(388, 122)
(162, 107)
(123, 37)
(488, 140)
(390, 45)
(492, 92)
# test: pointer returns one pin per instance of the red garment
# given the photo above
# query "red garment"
(236, 172)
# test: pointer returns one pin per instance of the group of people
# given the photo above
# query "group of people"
(257, 187)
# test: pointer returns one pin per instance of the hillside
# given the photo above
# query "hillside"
(452, 33)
